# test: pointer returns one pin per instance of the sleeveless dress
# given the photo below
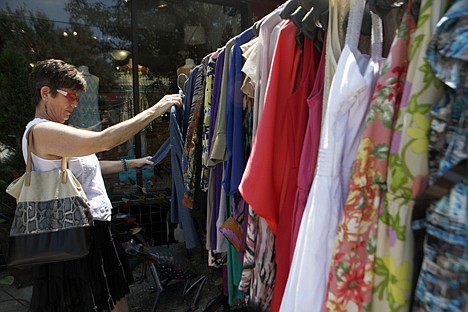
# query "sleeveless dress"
(350, 279)
(350, 93)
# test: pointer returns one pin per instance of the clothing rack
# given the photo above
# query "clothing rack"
(263, 190)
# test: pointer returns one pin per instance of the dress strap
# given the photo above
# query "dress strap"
(356, 13)
(377, 36)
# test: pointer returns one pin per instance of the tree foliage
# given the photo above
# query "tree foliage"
(160, 30)
(93, 31)
(15, 98)
(25, 38)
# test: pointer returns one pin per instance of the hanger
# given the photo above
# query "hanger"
(289, 7)
(298, 16)
(181, 82)
(314, 26)
(379, 7)
(316, 16)
(309, 28)
(307, 16)
(320, 5)
(256, 26)
(366, 26)
(383, 7)
(308, 4)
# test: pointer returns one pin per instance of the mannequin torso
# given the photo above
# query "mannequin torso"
(186, 68)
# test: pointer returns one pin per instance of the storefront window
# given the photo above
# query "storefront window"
(97, 36)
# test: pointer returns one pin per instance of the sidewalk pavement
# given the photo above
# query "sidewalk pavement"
(14, 299)
(141, 298)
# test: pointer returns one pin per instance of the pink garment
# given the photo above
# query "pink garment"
(353, 264)
(270, 180)
(310, 149)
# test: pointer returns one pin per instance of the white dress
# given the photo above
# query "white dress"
(349, 100)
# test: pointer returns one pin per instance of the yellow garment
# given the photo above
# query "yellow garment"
(407, 171)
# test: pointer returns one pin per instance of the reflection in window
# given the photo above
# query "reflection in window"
(97, 34)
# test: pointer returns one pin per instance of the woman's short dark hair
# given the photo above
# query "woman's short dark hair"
(55, 74)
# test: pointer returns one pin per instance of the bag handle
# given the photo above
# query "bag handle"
(27, 181)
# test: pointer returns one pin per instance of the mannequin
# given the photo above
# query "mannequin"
(183, 72)
(84, 70)
(187, 67)
(86, 115)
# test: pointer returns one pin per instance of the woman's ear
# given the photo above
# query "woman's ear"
(45, 92)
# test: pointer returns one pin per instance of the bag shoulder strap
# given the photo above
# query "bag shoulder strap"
(30, 139)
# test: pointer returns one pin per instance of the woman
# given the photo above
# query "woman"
(97, 282)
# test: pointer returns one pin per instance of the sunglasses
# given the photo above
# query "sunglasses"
(68, 95)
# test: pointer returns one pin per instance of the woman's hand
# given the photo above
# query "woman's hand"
(139, 162)
(167, 101)
(114, 166)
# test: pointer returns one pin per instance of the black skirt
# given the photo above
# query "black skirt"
(94, 283)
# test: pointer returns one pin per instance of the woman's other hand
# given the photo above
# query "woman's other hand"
(139, 162)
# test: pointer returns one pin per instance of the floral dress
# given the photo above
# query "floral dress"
(407, 171)
(350, 278)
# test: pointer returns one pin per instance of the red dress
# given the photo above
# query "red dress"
(269, 182)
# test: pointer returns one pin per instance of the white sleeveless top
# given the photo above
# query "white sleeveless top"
(86, 169)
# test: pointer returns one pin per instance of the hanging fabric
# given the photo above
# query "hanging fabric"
(269, 181)
(309, 154)
(218, 145)
(191, 162)
(352, 86)
(259, 268)
(206, 143)
(216, 170)
(334, 43)
(178, 130)
(338, 230)
(234, 165)
(407, 170)
(443, 278)
(352, 268)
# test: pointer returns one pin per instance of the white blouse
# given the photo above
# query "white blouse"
(87, 171)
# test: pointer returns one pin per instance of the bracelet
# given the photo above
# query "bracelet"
(125, 164)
